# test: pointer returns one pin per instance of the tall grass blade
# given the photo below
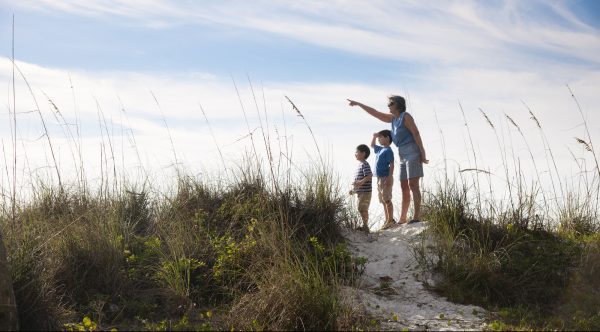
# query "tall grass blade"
(309, 128)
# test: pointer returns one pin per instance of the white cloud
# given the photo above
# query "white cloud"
(456, 33)
(489, 69)
(337, 127)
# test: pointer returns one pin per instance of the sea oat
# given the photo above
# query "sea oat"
(587, 146)
(52, 103)
(309, 128)
(474, 169)
(487, 119)
(512, 121)
(294, 107)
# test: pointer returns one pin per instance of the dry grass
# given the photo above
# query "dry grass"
(533, 260)
(263, 248)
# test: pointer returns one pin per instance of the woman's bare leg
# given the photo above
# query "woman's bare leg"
(416, 193)
(405, 200)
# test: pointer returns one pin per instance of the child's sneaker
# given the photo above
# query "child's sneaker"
(388, 225)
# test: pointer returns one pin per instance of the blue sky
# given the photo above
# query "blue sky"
(266, 39)
(489, 55)
(101, 43)
(93, 41)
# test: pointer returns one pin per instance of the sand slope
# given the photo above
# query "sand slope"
(391, 290)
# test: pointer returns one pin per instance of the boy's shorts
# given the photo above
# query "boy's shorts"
(363, 201)
(410, 161)
(384, 188)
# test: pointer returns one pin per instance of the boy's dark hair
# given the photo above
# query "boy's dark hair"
(365, 149)
(386, 133)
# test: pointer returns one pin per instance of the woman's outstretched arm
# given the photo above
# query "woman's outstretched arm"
(385, 117)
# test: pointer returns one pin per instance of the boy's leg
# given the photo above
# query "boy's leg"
(386, 185)
(388, 198)
(388, 219)
(389, 212)
(381, 198)
(364, 215)
(364, 200)
(385, 212)
(380, 191)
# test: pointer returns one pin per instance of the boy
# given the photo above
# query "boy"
(362, 185)
(384, 168)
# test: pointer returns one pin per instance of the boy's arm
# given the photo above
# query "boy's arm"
(391, 168)
(366, 179)
(363, 180)
(375, 135)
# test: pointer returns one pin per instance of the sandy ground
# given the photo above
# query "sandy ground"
(391, 289)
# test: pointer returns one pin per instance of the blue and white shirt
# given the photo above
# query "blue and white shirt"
(384, 156)
(400, 134)
(362, 171)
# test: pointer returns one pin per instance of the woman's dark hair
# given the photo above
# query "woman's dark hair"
(398, 102)
(365, 149)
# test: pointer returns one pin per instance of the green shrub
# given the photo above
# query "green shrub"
(292, 296)
(90, 263)
(37, 295)
(487, 263)
(579, 307)
(123, 255)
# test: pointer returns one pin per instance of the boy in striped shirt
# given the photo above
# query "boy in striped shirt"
(362, 184)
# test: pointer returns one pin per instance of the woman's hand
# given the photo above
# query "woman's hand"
(385, 117)
(352, 102)
(424, 160)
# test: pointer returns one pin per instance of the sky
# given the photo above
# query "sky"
(161, 83)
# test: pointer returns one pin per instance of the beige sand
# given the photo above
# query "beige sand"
(391, 289)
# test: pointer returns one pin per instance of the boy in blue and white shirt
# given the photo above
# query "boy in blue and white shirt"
(384, 168)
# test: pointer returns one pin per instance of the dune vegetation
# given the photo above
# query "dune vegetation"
(259, 249)
(248, 251)
(532, 257)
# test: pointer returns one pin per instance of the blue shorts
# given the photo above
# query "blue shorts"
(410, 161)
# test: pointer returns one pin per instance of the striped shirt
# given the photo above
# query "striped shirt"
(363, 170)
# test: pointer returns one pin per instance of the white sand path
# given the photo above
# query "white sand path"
(400, 300)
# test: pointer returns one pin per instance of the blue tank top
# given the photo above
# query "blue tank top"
(400, 134)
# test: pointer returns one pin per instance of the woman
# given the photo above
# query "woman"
(406, 137)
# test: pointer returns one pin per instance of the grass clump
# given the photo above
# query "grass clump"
(495, 263)
(579, 305)
(290, 296)
(252, 256)
(509, 263)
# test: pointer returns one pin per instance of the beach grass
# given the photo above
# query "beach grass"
(530, 258)
(254, 257)
(255, 248)
(251, 248)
